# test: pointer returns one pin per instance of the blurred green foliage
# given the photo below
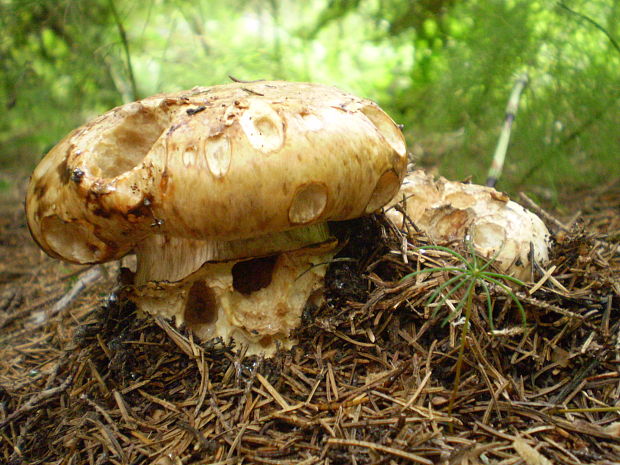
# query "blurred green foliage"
(443, 68)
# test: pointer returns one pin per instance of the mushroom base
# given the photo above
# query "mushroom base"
(256, 301)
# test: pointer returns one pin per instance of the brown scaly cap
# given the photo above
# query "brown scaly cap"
(224, 163)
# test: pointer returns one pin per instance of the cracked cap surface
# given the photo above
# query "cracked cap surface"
(225, 163)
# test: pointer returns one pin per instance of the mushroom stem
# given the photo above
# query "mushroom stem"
(251, 290)
(163, 257)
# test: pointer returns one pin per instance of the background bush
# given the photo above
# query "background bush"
(443, 68)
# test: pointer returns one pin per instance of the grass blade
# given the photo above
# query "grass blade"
(430, 270)
(512, 296)
(437, 291)
(487, 293)
(447, 250)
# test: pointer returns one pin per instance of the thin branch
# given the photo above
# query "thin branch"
(497, 166)
(125, 42)
(594, 23)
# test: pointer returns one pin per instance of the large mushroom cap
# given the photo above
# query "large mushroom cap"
(227, 162)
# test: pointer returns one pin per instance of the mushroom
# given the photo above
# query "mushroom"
(498, 228)
(224, 194)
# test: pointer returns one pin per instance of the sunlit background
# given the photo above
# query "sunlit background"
(443, 68)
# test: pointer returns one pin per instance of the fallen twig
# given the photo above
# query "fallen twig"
(86, 280)
(380, 448)
(35, 402)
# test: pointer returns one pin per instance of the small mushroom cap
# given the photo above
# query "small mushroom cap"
(222, 163)
(498, 228)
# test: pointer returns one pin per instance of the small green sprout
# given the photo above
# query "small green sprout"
(472, 272)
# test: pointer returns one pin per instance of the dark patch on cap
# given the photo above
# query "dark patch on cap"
(102, 212)
(141, 210)
(40, 189)
(93, 248)
(193, 111)
(63, 172)
(77, 175)
(135, 215)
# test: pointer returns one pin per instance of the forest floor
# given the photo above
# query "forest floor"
(83, 381)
